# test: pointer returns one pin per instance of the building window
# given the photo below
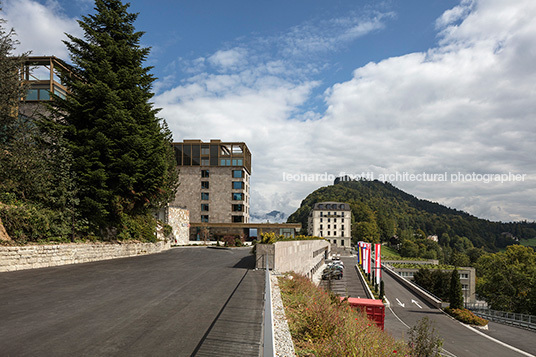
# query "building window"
(204, 207)
(205, 173)
(342, 220)
(238, 219)
(205, 162)
(321, 234)
(205, 150)
(334, 219)
(238, 185)
(238, 196)
(204, 185)
(342, 227)
(204, 196)
(204, 218)
(334, 226)
(238, 208)
(321, 227)
(342, 242)
(321, 214)
(225, 162)
(320, 219)
(465, 287)
(464, 276)
(237, 162)
(238, 174)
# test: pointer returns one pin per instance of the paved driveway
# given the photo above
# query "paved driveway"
(157, 305)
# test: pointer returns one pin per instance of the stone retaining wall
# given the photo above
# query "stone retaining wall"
(300, 256)
(40, 256)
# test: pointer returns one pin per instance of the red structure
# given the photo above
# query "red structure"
(374, 309)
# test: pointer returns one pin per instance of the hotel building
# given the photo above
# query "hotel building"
(213, 180)
(332, 221)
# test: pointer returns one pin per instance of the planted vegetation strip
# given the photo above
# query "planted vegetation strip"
(322, 325)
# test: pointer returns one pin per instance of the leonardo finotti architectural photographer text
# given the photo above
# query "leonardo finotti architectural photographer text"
(407, 177)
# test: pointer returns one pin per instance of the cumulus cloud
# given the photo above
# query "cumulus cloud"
(40, 28)
(465, 106)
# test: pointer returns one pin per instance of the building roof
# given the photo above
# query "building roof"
(331, 206)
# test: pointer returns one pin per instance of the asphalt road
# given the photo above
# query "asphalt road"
(174, 303)
(458, 340)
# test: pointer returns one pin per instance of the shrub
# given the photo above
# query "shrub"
(466, 316)
(423, 340)
(323, 325)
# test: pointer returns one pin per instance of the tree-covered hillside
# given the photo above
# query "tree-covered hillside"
(381, 211)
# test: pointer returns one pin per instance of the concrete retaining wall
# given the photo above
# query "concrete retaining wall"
(418, 291)
(300, 256)
(41, 256)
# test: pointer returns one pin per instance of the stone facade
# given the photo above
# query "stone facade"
(219, 195)
(179, 220)
(41, 256)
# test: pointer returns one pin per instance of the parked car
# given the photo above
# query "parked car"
(332, 272)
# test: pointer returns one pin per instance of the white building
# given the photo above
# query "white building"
(332, 221)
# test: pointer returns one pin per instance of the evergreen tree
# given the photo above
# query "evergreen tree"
(11, 88)
(123, 158)
(456, 293)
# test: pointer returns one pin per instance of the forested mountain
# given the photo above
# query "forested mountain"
(381, 211)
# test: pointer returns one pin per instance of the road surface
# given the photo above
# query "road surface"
(458, 340)
(183, 302)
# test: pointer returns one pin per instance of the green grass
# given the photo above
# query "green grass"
(528, 242)
(389, 253)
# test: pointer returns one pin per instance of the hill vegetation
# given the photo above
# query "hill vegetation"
(384, 213)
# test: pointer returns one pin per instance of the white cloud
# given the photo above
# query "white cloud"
(229, 59)
(466, 106)
(40, 28)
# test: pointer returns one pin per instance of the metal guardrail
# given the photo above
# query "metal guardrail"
(503, 317)
(268, 349)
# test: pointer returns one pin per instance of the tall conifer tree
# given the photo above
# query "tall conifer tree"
(123, 158)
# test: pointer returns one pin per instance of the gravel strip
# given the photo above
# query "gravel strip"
(283, 340)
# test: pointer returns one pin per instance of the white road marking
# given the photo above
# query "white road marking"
(399, 303)
(416, 303)
(444, 351)
(499, 342)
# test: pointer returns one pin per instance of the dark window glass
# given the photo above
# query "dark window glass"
(204, 185)
(187, 155)
(238, 196)
(204, 196)
(238, 219)
(238, 185)
(205, 150)
(178, 154)
(238, 208)
(44, 94)
(204, 218)
(238, 174)
(196, 155)
(32, 94)
(204, 207)
(205, 162)
(205, 173)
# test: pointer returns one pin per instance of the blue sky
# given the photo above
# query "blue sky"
(317, 88)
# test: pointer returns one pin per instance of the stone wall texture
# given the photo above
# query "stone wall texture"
(179, 220)
(300, 256)
(41, 256)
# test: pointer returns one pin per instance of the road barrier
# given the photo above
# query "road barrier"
(503, 317)
(268, 323)
(423, 294)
